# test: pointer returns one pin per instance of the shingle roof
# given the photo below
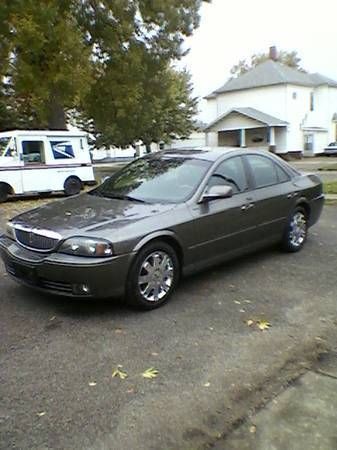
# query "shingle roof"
(252, 113)
(271, 73)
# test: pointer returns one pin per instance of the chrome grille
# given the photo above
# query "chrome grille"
(41, 240)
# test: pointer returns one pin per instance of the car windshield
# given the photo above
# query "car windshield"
(3, 145)
(153, 179)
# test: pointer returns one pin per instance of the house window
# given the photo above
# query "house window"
(312, 101)
(294, 95)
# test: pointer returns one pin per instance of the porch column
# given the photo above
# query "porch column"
(272, 144)
(272, 136)
(243, 137)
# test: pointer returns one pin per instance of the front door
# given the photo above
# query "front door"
(225, 225)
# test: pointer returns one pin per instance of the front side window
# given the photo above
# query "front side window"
(156, 179)
(4, 141)
(230, 173)
(264, 170)
(33, 152)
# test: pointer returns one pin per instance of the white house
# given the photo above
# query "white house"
(274, 107)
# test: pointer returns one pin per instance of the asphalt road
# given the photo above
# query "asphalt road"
(213, 367)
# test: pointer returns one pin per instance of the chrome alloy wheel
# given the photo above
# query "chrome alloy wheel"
(298, 229)
(156, 276)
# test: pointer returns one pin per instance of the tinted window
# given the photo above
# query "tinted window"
(156, 179)
(264, 170)
(33, 152)
(282, 174)
(230, 173)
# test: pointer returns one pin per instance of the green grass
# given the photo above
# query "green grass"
(330, 187)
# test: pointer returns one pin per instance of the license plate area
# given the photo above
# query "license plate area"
(25, 273)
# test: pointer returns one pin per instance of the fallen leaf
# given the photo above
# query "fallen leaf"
(130, 391)
(92, 383)
(247, 301)
(41, 414)
(237, 302)
(211, 328)
(263, 324)
(252, 429)
(119, 373)
(242, 310)
(150, 373)
(154, 354)
(249, 322)
(52, 318)
(207, 384)
(118, 330)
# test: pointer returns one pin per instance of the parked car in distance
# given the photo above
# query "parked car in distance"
(331, 149)
(164, 215)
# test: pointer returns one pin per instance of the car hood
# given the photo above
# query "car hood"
(87, 214)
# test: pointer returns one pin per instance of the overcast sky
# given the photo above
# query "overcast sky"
(234, 30)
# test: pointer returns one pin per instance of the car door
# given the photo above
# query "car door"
(274, 194)
(224, 225)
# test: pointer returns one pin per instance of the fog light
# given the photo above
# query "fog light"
(81, 289)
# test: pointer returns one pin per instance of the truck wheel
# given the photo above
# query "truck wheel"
(72, 186)
(4, 191)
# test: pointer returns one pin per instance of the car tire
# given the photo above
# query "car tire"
(153, 276)
(296, 231)
(72, 186)
(3, 192)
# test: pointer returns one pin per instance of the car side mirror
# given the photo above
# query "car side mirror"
(215, 192)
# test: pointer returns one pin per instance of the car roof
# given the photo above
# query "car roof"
(206, 153)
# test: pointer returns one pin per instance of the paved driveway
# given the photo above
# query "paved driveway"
(213, 368)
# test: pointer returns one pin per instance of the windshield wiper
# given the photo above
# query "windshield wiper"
(133, 199)
(117, 196)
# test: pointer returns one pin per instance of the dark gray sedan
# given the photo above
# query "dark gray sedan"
(164, 215)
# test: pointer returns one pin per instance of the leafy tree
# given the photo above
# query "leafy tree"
(102, 63)
(290, 59)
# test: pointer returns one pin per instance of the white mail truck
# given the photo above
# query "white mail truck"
(43, 162)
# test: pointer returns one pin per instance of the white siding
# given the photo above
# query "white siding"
(270, 100)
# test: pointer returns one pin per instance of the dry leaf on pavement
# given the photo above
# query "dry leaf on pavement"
(263, 324)
(150, 373)
(119, 373)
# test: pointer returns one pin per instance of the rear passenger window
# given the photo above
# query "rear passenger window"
(264, 170)
(282, 174)
(230, 173)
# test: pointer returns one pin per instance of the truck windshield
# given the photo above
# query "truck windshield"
(4, 141)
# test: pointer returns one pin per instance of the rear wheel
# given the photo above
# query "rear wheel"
(72, 186)
(296, 231)
(4, 191)
(153, 276)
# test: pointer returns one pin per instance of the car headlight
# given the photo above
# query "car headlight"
(82, 246)
(10, 231)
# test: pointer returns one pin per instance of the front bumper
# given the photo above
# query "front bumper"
(66, 274)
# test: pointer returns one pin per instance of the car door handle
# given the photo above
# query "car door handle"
(246, 207)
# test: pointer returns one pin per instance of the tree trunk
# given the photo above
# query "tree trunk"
(56, 115)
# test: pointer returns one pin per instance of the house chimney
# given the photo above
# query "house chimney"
(273, 53)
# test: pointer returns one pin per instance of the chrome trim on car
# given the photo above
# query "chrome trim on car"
(36, 232)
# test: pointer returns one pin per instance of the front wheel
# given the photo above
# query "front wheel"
(153, 276)
(296, 231)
